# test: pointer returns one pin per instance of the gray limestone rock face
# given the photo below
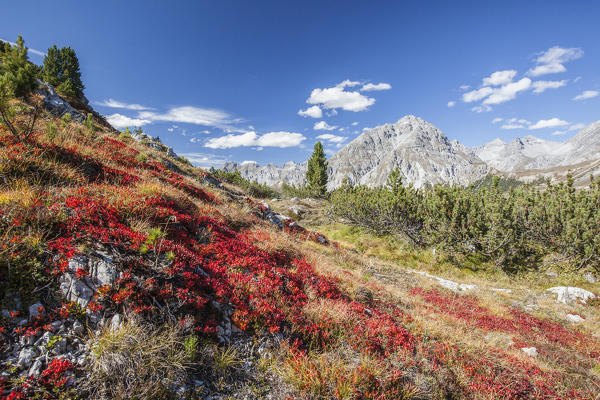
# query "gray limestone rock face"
(55, 104)
(102, 271)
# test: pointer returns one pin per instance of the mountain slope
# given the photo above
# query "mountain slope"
(128, 273)
(421, 151)
(532, 158)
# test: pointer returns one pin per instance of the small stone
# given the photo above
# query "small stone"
(530, 351)
(590, 277)
(78, 328)
(115, 322)
(56, 325)
(26, 357)
(198, 382)
(36, 368)
(60, 347)
(36, 310)
(575, 318)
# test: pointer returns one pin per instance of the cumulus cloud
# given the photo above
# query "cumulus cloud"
(354, 123)
(337, 97)
(476, 95)
(588, 94)
(313, 112)
(541, 86)
(323, 126)
(375, 87)
(332, 138)
(548, 123)
(556, 133)
(500, 78)
(111, 103)
(451, 103)
(249, 139)
(508, 91)
(464, 87)
(496, 120)
(551, 61)
(121, 121)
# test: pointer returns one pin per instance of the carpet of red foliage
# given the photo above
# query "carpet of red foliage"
(200, 260)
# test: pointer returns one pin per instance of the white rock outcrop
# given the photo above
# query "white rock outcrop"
(570, 294)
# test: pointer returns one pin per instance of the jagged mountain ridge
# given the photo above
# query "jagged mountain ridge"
(422, 152)
(532, 158)
(426, 156)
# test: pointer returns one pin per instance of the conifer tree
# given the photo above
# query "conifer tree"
(61, 70)
(316, 172)
(17, 74)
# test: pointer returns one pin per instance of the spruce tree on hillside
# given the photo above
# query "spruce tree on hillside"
(61, 70)
(17, 74)
(316, 172)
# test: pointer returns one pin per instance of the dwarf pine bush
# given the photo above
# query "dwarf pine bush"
(514, 228)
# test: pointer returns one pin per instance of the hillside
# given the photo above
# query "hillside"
(128, 273)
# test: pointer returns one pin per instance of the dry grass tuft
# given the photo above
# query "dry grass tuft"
(136, 362)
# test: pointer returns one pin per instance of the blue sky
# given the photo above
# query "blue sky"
(227, 80)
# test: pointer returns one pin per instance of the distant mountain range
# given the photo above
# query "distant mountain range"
(426, 156)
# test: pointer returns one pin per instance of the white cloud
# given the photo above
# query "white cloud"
(348, 83)
(451, 103)
(280, 139)
(508, 91)
(354, 123)
(551, 61)
(576, 127)
(204, 160)
(191, 115)
(548, 123)
(249, 139)
(541, 86)
(556, 133)
(332, 138)
(464, 87)
(119, 104)
(512, 126)
(481, 109)
(499, 78)
(478, 94)
(313, 112)
(577, 79)
(588, 94)
(323, 126)
(496, 120)
(375, 87)
(337, 97)
(121, 121)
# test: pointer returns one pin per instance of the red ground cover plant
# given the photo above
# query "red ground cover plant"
(194, 260)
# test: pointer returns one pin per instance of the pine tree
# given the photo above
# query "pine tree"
(316, 173)
(17, 73)
(61, 70)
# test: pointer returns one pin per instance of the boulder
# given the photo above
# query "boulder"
(55, 104)
(574, 318)
(569, 294)
(530, 351)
